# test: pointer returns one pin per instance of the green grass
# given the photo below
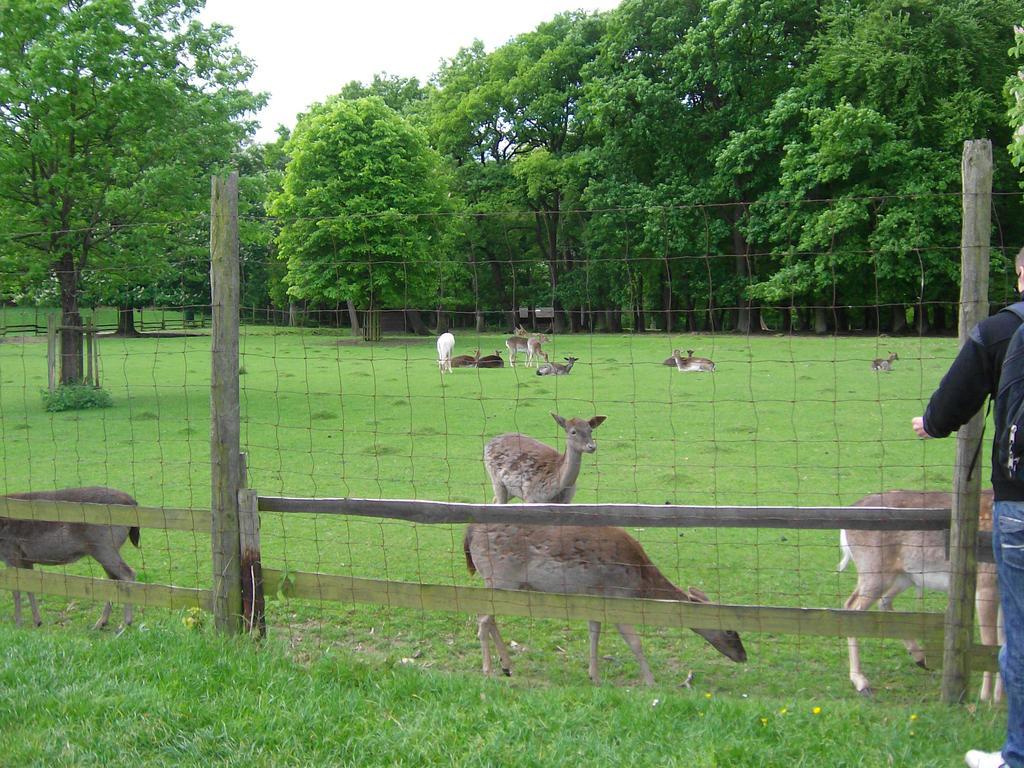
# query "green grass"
(788, 421)
(160, 695)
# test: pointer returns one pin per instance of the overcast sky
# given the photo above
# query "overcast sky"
(305, 50)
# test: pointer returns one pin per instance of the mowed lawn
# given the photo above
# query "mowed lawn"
(783, 421)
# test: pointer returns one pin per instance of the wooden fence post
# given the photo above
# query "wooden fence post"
(225, 409)
(976, 169)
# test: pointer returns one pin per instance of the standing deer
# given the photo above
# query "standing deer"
(520, 466)
(880, 364)
(888, 562)
(516, 343)
(556, 369)
(691, 363)
(445, 345)
(576, 560)
(25, 543)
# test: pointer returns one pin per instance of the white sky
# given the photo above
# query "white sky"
(306, 50)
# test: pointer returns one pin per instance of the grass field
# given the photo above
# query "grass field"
(784, 420)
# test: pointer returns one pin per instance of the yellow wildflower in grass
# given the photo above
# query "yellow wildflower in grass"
(707, 695)
(783, 711)
(913, 717)
(764, 721)
(816, 711)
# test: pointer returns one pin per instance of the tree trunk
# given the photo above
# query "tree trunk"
(415, 321)
(70, 337)
(745, 321)
(899, 318)
(126, 322)
(353, 317)
(613, 320)
(371, 330)
(546, 230)
(821, 320)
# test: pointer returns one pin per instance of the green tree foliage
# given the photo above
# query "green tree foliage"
(362, 208)
(111, 113)
(874, 128)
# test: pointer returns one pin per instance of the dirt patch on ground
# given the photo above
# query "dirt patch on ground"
(403, 341)
(22, 339)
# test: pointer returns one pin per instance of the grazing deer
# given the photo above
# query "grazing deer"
(691, 363)
(533, 348)
(888, 562)
(445, 345)
(466, 361)
(520, 466)
(25, 543)
(523, 341)
(879, 364)
(556, 369)
(576, 560)
(491, 361)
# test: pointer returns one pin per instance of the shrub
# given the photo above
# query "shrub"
(76, 397)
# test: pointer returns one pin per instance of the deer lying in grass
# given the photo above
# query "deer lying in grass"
(557, 369)
(576, 560)
(880, 364)
(671, 360)
(520, 466)
(890, 561)
(491, 361)
(466, 361)
(25, 543)
(691, 363)
(445, 345)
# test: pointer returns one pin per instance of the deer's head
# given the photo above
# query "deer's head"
(579, 432)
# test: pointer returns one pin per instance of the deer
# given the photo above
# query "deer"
(466, 361)
(557, 369)
(671, 360)
(576, 560)
(520, 466)
(445, 345)
(491, 361)
(888, 562)
(691, 363)
(884, 364)
(524, 341)
(25, 543)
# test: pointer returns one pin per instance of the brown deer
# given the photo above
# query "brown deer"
(888, 562)
(491, 361)
(576, 560)
(466, 361)
(691, 363)
(520, 466)
(25, 543)
(880, 364)
(557, 369)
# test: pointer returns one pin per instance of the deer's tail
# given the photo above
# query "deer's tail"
(133, 534)
(466, 541)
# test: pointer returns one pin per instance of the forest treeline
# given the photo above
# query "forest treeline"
(670, 164)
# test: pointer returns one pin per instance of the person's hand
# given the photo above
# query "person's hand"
(917, 424)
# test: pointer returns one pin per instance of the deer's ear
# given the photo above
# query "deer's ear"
(696, 595)
(558, 419)
(597, 421)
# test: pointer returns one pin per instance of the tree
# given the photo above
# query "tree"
(111, 113)
(364, 210)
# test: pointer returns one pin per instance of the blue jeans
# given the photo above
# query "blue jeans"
(1008, 543)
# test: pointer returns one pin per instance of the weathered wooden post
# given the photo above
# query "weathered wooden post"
(253, 605)
(225, 410)
(976, 169)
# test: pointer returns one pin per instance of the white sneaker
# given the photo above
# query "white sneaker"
(978, 759)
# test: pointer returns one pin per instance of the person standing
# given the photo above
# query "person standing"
(973, 376)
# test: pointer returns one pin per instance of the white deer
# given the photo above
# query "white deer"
(576, 560)
(888, 562)
(445, 345)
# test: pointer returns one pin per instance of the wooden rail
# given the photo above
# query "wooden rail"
(106, 514)
(102, 590)
(648, 515)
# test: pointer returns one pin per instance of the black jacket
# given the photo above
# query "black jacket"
(972, 377)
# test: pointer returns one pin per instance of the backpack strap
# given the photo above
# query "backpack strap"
(1016, 308)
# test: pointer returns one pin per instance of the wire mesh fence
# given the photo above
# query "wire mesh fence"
(808, 405)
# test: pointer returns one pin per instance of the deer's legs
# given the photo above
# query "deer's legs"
(118, 570)
(858, 601)
(629, 634)
(885, 604)
(990, 627)
(500, 492)
(487, 630)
